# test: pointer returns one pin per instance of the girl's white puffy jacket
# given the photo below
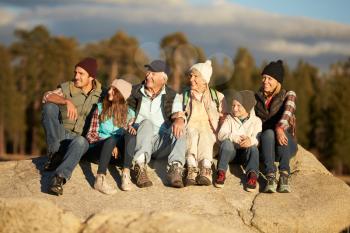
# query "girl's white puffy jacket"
(233, 128)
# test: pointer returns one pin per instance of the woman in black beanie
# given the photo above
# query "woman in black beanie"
(276, 107)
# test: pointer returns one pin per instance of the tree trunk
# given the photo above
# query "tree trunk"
(176, 82)
(113, 71)
(34, 142)
(338, 167)
(2, 138)
(21, 145)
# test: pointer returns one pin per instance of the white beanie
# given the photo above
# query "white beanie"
(205, 69)
(123, 86)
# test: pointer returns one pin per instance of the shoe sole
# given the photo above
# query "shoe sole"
(251, 190)
(269, 191)
(177, 184)
(203, 181)
(126, 189)
(219, 185)
(283, 190)
(145, 185)
(190, 182)
(107, 193)
(56, 191)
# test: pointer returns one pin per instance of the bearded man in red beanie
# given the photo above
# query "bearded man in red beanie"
(65, 119)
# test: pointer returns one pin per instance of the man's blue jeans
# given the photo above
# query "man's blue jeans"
(161, 145)
(71, 145)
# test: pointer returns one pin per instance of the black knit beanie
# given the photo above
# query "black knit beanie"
(275, 70)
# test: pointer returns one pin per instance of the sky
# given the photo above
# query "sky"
(315, 31)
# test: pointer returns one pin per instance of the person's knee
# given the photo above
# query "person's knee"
(227, 144)
(146, 124)
(129, 138)
(112, 140)
(50, 109)
(81, 142)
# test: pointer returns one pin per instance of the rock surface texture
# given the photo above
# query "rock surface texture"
(319, 202)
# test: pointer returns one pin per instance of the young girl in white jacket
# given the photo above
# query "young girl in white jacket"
(239, 136)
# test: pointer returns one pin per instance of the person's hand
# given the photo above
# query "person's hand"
(281, 137)
(245, 142)
(72, 112)
(115, 152)
(132, 130)
(178, 127)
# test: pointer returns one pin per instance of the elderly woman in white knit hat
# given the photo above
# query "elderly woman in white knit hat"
(205, 108)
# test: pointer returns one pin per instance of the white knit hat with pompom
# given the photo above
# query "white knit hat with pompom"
(205, 69)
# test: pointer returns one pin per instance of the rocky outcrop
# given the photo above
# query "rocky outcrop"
(29, 215)
(319, 202)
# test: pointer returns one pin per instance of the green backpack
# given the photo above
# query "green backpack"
(213, 94)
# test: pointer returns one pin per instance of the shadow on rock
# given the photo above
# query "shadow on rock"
(160, 167)
(45, 176)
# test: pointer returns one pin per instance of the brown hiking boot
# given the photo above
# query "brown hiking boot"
(56, 186)
(204, 177)
(141, 177)
(192, 173)
(54, 160)
(175, 175)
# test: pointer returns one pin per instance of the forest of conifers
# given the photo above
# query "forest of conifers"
(38, 61)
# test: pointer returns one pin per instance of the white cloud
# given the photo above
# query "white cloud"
(6, 17)
(181, 13)
(292, 48)
(216, 24)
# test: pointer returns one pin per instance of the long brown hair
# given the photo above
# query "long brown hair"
(116, 109)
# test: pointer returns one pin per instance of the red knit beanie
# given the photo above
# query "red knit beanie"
(89, 65)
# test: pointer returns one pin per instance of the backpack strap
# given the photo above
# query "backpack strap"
(186, 98)
(214, 96)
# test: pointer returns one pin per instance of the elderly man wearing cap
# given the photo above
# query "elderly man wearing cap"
(160, 124)
(64, 119)
(205, 108)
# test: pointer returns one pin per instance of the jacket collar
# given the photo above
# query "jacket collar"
(250, 117)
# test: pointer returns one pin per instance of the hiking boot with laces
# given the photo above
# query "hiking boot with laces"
(283, 184)
(204, 177)
(126, 181)
(102, 185)
(220, 179)
(251, 181)
(271, 183)
(53, 162)
(175, 174)
(142, 180)
(57, 185)
(192, 173)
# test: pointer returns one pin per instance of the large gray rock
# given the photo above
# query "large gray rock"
(319, 202)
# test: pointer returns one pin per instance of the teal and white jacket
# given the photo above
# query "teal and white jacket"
(101, 130)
